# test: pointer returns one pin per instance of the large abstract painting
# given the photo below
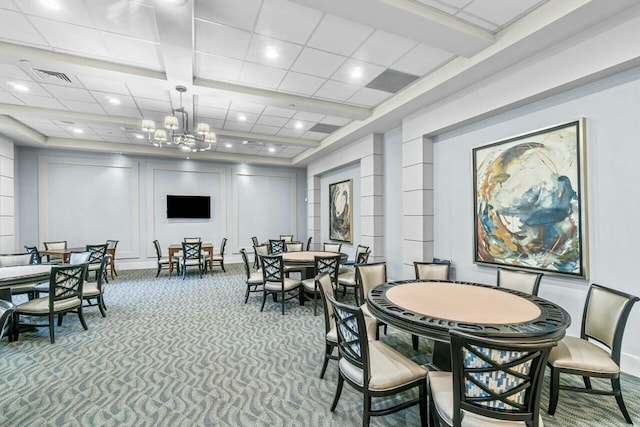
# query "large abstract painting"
(530, 210)
(340, 211)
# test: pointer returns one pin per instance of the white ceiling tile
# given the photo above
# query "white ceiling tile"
(104, 85)
(11, 71)
(71, 11)
(73, 38)
(83, 107)
(272, 121)
(28, 118)
(337, 91)
(286, 52)
(130, 18)
(286, 20)
(478, 21)
(247, 107)
(214, 113)
(217, 67)
(8, 4)
(106, 98)
(234, 116)
(265, 130)
(279, 112)
(335, 34)
(383, 48)
(221, 40)
(40, 101)
(34, 88)
(237, 13)
(64, 92)
(153, 105)
(301, 84)
(448, 6)
(308, 116)
(152, 89)
(212, 122)
(14, 26)
(156, 116)
(261, 75)
(368, 97)
(135, 51)
(367, 70)
(290, 133)
(293, 124)
(316, 136)
(421, 60)
(42, 126)
(214, 102)
(118, 110)
(501, 11)
(338, 121)
(55, 133)
(317, 63)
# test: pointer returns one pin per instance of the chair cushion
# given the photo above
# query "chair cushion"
(190, 261)
(441, 387)
(389, 368)
(309, 284)
(289, 284)
(90, 289)
(94, 267)
(255, 278)
(578, 354)
(217, 257)
(41, 305)
(348, 278)
(346, 270)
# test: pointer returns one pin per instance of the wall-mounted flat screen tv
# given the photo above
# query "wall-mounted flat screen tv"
(188, 206)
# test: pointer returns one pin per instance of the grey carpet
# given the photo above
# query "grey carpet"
(190, 353)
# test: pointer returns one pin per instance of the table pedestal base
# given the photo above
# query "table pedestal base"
(441, 358)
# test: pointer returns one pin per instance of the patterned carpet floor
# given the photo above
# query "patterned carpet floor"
(190, 353)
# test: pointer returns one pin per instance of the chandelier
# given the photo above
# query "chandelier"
(179, 134)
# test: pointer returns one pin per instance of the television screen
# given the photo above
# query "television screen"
(188, 206)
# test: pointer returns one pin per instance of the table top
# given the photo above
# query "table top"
(308, 256)
(179, 245)
(21, 274)
(433, 308)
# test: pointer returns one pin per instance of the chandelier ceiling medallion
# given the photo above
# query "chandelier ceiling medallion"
(178, 133)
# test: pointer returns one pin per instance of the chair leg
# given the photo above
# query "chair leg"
(81, 317)
(416, 342)
(184, 271)
(264, 299)
(315, 302)
(328, 350)
(366, 409)
(52, 333)
(246, 295)
(338, 392)
(615, 383)
(587, 382)
(283, 303)
(15, 326)
(221, 265)
(60, 317)
(101, 306)
(159, 268)
(424, 412)
(554, 390)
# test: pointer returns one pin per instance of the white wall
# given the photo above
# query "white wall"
(393, 218)
(7, 200)
(612, 110)
(88, 198)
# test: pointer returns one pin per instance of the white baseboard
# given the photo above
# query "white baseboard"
(630, 364)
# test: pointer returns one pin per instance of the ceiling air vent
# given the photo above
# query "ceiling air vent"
(391, 81)
(324, 128)
(47, 75)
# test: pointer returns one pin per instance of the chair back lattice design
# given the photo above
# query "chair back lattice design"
(497, 379)
(76, 258)
(254, 241)
(352, 339)
(293, 247)
(325, 286)
(66, 282)
(62, 244)
(272, 268)
(368, 276)
(329, 265)
(309, 243)
(288, 238)
(605, 316)
(12, 260)
(276, 246)
(360, 249)
(332, 247)
(245, 260)
(431, 271)
(192, 239)
(112, 244)
(35, 254)
(223, 245)
(156, 244)
(523, 281)
(362, 257)
(192, 250)
(96, 253)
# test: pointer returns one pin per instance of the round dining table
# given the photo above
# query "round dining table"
(432, 308)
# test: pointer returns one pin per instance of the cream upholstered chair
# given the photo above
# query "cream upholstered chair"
(260, 250)
(254, 278)
(288, 238)
(75, 258)
(96, 254)
(431, 270)
(164, 261)
(349, 265)
(293, 247)
(372, 367)
(275, 282)
(347, 276)
(65, 285)
(94, 290)
(523, 281)
(61, 244)
(218, 257)
(332, 247)
(322, 264)
(111, 250)
(492, 383)
(604, 318)
(368, 276)
(191, 256)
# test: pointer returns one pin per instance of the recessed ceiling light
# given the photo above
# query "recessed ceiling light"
(272, 150)
(228, 145)
(51, 4)
(356, 73)
(245, 142)
(138, 136)
(187, 158)
(77, 130)
(242, 117)
(271, 52)
(298, 125)
(19, 87)
(114, 101)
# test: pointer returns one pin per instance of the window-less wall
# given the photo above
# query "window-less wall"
(7, 205)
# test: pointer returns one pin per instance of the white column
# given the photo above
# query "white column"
(417, 202)
(313, 210)
(371, 200)
(7, 200)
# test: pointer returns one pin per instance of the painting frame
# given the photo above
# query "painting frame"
(530, 201)
(341, 211)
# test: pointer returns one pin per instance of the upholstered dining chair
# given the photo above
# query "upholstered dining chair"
(368, 276)
(218, 257)
(322, 264)
(293, 247)
(276, 246)
(192, 239)
(275, 282)
(288, 238)
(260, 250)
(492, 383)
(96, 254)
(164, 261)
(332, 247)
(349, 265)
(254, 278)
(6, 312)
(65, 285)
(374, 368)
(523, 281)
(75, 258)
(254, 241)
(431, 270)
(61, 244)
(35, 254)
(94, 290)
(191, 257)
(309, 243)
(347, 276)
(603, 321)
(12, 260)
(111, 249)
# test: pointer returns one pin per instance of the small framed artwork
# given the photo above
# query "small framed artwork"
(341, 211)
(530, 206)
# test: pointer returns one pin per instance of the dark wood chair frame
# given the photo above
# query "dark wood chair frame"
(285, 236)
(97, 254)
(158, 248)
(363, 297)
(191, 251)
(273, 271)
(309, 243)
(113, 244)
(100, 274)
(35, 254)
(536, 284)
(615, 349)
(47, 244)
(276, 246)
(209, 264)
(348, 336)
(324, 264)
(328, 321)
(251, 287)
(362, 259)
